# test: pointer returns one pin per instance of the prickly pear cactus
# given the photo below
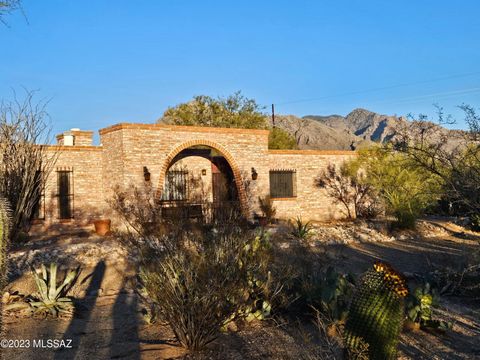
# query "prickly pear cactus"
(377, 312)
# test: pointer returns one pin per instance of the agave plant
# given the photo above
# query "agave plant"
(301, 230)
(51, 297)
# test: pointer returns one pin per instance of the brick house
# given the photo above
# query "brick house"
(184, 164)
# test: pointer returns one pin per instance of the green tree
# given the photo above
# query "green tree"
(405, 189)
(452, 157)
(234, 111)
(280, 139)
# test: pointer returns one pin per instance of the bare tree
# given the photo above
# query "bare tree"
(24, 161)
(7, 7)
(355, 195)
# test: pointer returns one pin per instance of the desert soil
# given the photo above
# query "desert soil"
(109, 325)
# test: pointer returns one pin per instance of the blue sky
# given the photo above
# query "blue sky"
(104, 62)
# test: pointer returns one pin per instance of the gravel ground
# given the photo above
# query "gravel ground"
(108, 324)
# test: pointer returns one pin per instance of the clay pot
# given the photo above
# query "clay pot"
(263, 221)
(102, 227)
(410, 325)
(332, 331)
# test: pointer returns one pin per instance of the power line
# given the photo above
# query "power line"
(445, 95)
(379, 89)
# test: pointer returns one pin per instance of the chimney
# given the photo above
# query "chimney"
(75, 137)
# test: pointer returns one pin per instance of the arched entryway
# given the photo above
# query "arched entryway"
(200, 175)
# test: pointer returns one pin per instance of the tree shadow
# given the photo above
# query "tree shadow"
(412, 256)
(124, 341)
(82, 314)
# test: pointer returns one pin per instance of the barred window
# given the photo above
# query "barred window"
(65, 194)
(175, 188)
(283, 183)
(38, 212)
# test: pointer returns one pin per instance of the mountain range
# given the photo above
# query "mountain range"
(335, 132)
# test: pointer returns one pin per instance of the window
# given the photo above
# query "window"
(65, 194)
(283, 183)
(38, 212)
(175, 188)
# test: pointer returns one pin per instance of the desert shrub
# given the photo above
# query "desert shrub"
(376, 313)
(267, 208)
(295, 268)
(193, 276)
(330, 343)
(139, 211)
(475, 222)
(23, 164)
(308, 282)
(420, 306)
(452, 158)
(301, 230)
(4, 240)
(346, 185)
(405, 190)
(201, 280)
(196, 289)
(281, 139)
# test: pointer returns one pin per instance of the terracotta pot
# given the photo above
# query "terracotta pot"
(410, 325)
(332, 331)
(263, 221)
(102, 227)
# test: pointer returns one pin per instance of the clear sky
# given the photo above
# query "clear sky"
(103, 62)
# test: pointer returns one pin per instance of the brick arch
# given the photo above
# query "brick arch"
(242, 195)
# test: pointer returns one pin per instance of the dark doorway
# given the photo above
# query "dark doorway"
(223, 181)
(224, 194)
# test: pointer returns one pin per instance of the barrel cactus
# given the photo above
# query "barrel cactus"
(377, 312)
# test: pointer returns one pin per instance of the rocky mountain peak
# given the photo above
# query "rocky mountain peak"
(360, 127)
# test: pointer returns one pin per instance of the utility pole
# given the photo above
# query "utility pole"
(273, 115)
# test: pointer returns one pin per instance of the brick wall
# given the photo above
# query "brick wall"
(311, 203)
(127, 148)
(85, 162)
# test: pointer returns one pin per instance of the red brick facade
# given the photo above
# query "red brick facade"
(127, 149)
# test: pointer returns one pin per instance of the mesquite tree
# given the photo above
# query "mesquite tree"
(24, 161)
(453, 157)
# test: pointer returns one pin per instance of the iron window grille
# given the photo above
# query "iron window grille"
(65, 194)
(175, 188)
(283, 183)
